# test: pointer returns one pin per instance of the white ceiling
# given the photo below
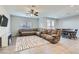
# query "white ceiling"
(54, 11)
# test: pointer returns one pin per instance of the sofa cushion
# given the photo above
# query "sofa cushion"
(44, 32)
(49, 37)
(38, 33)
(49, 31)
(53, 32)
(46, 36)
(43, 35)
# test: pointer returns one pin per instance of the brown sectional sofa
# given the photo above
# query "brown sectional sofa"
(52, 35)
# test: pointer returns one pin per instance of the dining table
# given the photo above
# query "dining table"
(70, 33)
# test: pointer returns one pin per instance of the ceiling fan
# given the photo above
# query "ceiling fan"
(33, 11)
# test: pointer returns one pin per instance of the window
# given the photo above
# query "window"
(50, 24)
(26, 25)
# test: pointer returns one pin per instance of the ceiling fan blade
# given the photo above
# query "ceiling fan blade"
(36, 13)
(30, 12)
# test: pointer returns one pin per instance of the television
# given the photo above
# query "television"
(4, 21)
(0, 19)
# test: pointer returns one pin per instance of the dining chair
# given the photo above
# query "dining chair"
(74, 34)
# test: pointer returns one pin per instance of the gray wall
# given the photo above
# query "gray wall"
(17, 21)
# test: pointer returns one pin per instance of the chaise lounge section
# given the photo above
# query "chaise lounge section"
(52, 35)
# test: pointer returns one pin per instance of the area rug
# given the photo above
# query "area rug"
(27, 42)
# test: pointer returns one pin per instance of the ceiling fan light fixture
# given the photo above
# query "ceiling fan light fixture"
(33, 11)
(33, 6)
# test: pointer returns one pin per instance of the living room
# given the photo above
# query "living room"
(34, 21)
